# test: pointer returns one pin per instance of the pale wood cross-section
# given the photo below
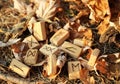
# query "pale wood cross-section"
(59, 37)
(74, 68)
(31, 57)
(71, 49)
(19, 68)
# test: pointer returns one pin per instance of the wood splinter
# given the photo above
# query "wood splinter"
(93, 57)
(52, 68)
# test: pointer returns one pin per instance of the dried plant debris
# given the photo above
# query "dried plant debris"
(60, 41)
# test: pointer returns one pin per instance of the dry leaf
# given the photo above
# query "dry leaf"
(10, 42)
(102, 66)
(19, 49)
(20, 6)
(84, 75)
(99, 9)
(47, 8)
(109, 33)
(104, 25)
(88, 34)
(61, 60)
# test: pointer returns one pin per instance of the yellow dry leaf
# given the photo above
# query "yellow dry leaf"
(88, 34)
(99, 12)
(20, 5)
(104, 25)
(47, 8)
(99, 9)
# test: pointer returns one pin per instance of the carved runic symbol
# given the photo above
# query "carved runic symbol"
(58, 35)
(74, 66)
(18, 68)
(31, 53)
(49, 48)
(72, 49)
(31, 42)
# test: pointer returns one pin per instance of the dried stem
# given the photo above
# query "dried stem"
(7, 77)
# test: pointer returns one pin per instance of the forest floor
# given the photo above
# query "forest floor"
(95, 22)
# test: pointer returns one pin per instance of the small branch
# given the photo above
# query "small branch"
(7, 77)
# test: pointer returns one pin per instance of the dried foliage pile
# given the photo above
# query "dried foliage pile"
(93, 25)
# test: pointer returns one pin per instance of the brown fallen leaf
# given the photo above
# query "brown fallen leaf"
(102, 66)
(19, 49)
(109, 33)
(84, 75)
(104, 25)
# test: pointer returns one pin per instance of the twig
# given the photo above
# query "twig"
(7, 77)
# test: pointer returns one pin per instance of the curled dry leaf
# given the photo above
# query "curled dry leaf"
(47, 8)
(53, 68)
(84, 63)
(10, 42)
(84, 75)
(87, 33)
(101, 66)
(19, 49)
(104, 25)
(109, 33)
(99, 11)
(61, 60)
